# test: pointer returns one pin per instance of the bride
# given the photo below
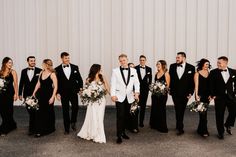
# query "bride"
(93, 127)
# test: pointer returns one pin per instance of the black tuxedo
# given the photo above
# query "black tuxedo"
(180, 89)
(144, 90)
(26, 88)
(225, 94)
(68, 89)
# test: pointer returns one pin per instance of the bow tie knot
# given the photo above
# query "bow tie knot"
(179, 65)
(143, 67)
(223, 70)
(30, 68)
(66, 65)
(124, 68)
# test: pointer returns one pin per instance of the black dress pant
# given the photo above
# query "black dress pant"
(66, 100)
(180, 103)
(220, 105)
(143, 103)
(123, 117)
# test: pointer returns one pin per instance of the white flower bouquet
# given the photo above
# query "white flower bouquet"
(92, 92)
(158, 88)
(31, 102)
(134, 107)
(198, 106)
(3, 85)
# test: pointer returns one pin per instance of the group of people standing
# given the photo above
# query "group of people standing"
(129, 83)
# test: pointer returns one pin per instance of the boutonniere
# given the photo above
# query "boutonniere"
(189, 72)
(132, 76)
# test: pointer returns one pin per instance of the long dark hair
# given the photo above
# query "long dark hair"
(201, 63)
(4, 63)
(95, 68)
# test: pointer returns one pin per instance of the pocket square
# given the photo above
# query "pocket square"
(233, 76)
(132, 76)
(75, 71)
(189, 72)
(36, 74)
(148, 73)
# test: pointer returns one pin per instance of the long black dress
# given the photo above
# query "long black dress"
(6, 106)
(45, 116)
(158, 110)
(203, 92)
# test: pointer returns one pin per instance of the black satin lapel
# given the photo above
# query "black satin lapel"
(139, 73)
(122, 74)
(128, 77)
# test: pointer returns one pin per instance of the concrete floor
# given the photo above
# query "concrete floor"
(147, 143)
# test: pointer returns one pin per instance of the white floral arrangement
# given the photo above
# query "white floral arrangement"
(158, 88)
(31, 102)
(134, 107)
(198, 106)
(93, 92)
(3, 85)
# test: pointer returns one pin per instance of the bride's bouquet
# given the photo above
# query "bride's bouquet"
(3, 85)
(158, 88)
(31, 102)
(92, 92)
(198, 106)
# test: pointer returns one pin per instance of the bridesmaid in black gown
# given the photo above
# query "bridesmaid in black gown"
(8, 96)
(202, 93)
(158, 106)
(45, 91)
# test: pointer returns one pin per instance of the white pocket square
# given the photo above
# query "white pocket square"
(148, 73)
(233, 76)
(37, 75)
(75, 71)
(189, 72)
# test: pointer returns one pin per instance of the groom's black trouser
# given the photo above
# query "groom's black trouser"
(123, 116)
(220, 105)
(66, 100)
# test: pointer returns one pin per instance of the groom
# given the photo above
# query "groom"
(222, 85)
(123, 81)
(69, 85)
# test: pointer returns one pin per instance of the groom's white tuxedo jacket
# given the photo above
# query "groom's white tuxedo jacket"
(120, 89)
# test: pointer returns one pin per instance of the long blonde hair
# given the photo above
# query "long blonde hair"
(49, 64)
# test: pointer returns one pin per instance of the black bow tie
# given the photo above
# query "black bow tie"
(67, 65)
(124, 68)
(179, 65)
(225, 70)
(142, 67)
(30, 68)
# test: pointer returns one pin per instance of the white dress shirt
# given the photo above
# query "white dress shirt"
(125, 72)
(180, 70)
(30, 73)
(142, 71)
(225, 75)
(67, 71)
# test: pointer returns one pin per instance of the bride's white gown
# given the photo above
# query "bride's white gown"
(93, 127)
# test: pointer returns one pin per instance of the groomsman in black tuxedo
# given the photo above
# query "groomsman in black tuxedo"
(145, 78)
(181, 87)
(28, 81)
(222, 85)
(69, 85)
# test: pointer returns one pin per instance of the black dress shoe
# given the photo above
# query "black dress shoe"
(124, 136)
(228, 130)
(220, 136)
(66, 133)
(119, 140)
(180, 132)
(73, 126)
